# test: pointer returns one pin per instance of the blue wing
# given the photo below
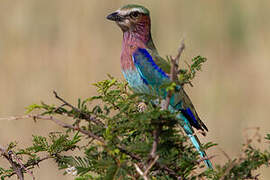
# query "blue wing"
(148, 69)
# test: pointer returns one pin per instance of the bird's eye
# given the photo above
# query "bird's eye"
(134, 14)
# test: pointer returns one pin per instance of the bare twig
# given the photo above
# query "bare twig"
(169, 171)
(256, 135)
(151, 165)
(58, 122)
(15, 166)
(225, 154)
(140, 172)
(228, 170)
(11, 118)
(21, 164)
(180, 50)
(132, 155)
(205, 158)
(144, 174)
(36, 163)
(65, 125)
(31, 165)
(174, 70)
(155, 142)
(84, 115)
(175, 62)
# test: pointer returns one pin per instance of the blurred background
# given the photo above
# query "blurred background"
(66, 46)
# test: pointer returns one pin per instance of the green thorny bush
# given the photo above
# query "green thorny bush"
(109, 137)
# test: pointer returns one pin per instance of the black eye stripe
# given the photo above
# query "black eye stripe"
(134, 14)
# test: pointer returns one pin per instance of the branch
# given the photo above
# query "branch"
(174, 71)
(175, 62)
(151, 165)
(132, 155)
(16, 168)
(84, 115)
(31, 165)
(144, 174)
(68, 126)
(155, 143)
(140, 172)
(205, 158)
(58, 122)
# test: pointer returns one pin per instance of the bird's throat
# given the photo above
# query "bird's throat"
(132, 40)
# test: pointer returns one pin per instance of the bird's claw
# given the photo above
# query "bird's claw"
(141, 107)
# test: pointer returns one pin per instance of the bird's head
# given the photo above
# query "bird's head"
(131, 17)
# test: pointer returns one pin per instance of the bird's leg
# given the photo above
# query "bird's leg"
(164, 104)
(142, 106)
(200, 132)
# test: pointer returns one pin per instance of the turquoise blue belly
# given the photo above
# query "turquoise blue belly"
(135, 81)
(138, 85)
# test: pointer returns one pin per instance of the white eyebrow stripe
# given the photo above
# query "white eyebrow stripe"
(125, 12)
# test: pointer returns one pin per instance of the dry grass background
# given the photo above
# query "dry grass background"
(66, 45)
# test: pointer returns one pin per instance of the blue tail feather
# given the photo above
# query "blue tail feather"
(195, 141)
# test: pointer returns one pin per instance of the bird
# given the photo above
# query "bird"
(146, 71)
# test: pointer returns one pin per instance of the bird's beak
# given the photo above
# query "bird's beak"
(114, 17)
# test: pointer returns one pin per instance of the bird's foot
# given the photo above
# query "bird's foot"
(142, 106)
(201, 132)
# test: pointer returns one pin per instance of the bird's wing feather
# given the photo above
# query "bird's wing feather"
(162, 63)
(187, 105)
(148, 69)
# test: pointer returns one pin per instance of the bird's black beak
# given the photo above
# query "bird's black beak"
(114, 17)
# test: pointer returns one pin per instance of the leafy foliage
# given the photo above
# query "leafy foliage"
(109, 135)
(186, 75)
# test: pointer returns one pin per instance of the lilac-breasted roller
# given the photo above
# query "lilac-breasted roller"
(146, 71)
